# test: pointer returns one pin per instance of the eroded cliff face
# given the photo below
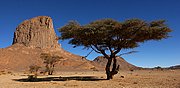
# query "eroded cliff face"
(37, 32)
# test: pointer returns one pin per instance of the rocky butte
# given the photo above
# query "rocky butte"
(37, 32)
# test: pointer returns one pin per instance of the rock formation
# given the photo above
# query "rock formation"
(37, 32)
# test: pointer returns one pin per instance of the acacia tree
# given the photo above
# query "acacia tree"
(108, 37)
(34, 69)
(50, 61)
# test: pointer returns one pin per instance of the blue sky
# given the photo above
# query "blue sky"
(152, 53)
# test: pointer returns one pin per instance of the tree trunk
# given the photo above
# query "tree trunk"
(108, 65)
(50, 70)
(115, 68)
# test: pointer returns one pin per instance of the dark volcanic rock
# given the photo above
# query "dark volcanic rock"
(36, 32)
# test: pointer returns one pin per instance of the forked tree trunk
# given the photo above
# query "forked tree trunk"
(108, 65)
(114, 70)
(51, 69)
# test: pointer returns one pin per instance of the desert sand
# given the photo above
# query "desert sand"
(95, 79)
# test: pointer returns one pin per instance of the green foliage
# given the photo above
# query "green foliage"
(50, 61)
(108, 33)
(34, 68)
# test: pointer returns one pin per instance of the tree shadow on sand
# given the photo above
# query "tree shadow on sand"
(77, 78)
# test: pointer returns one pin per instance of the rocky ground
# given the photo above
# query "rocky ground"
(95, 79)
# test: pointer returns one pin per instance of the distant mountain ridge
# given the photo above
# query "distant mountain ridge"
(174, 67)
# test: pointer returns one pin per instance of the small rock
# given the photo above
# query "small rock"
(122, 76)
(135, 83)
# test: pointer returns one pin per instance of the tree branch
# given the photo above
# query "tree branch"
(110, 49)
(128, 53)
(95, 49)
(117, 51)
(102, 51)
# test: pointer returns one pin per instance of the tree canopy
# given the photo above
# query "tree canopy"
(109, 34)
(50, 61)
(113, 36)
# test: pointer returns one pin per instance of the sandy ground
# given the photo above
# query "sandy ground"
(125, 79)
